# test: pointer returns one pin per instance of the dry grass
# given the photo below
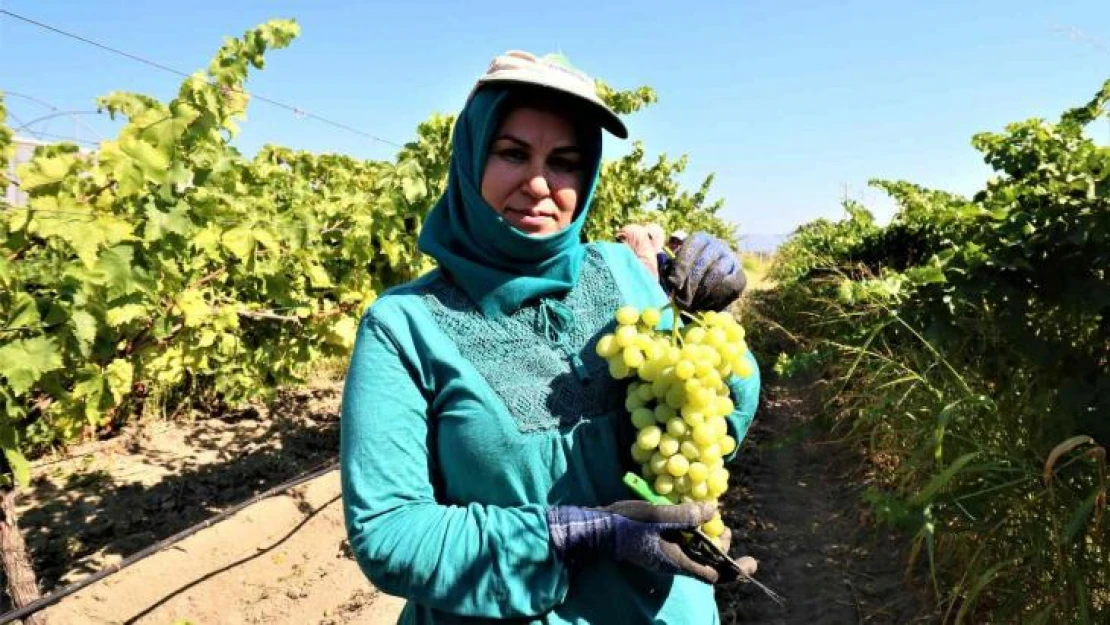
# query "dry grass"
(757, 266)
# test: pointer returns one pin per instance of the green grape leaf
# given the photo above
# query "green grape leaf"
(119, 374)
(86, 232)
(318, 277)
(56, 312)
(153, 164)
(159, 222)
(42, 171)
(207, 338)
(116, 317)
(194, 307)
(207, 240)
(228, 346)
(239, 241)
(266, 239)
(84, 330)
(24, 312)
(113, 270)
(413, 188)
(179, 175)
(345, 331)
(21, 468)
(88, 392)
(24, 361)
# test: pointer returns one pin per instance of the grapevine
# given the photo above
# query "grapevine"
(166, 266)
(678, 399)
(968, 340)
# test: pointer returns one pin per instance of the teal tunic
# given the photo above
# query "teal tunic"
(460, 428)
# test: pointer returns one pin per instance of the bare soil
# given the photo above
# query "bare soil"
(794, 505)
(281, 560)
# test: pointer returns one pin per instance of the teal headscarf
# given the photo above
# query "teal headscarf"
(498, 266)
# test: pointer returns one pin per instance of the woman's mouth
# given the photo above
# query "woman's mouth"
(529, 219)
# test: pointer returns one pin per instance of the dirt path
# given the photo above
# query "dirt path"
(282, 560)
(795, 506)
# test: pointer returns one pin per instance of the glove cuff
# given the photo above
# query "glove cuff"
(576, 533)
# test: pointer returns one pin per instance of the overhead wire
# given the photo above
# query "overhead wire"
(76, 119)
(53, 115)
(297, 111)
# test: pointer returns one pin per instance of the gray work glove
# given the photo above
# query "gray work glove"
(705, 275)
(632, 531)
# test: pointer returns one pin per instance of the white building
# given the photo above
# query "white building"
(24, 149)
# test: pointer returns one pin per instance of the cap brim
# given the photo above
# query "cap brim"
(605, 116)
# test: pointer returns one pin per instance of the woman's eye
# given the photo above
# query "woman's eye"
(513, 155)
(565, 164)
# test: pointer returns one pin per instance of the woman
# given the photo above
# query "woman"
(639, 239)
(483, 441)
(655, 234)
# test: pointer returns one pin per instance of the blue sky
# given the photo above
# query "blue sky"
(792, 105)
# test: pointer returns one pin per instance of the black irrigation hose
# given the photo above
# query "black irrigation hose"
(58, 595)
(207, 576)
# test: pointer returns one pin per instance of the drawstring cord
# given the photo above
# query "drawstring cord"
(555, 321)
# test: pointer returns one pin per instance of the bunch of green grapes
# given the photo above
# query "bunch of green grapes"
(678, 399)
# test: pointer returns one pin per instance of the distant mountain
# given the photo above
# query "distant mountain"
(765, 243)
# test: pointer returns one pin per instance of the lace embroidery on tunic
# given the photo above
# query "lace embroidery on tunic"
(544, 383)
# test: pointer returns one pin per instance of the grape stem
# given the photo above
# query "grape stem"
(679, 314)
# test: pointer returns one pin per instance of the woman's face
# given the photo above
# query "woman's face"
(534, 172)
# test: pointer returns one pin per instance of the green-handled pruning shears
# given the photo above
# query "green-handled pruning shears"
(701, 546)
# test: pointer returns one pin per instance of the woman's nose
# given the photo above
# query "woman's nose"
(536, 185)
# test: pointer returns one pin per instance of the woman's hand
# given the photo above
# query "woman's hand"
(632, 531)
(705, 274)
